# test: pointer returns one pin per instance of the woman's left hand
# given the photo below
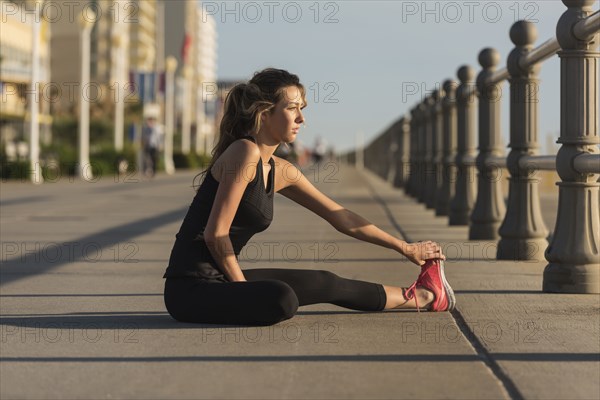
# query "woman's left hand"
(421, 251)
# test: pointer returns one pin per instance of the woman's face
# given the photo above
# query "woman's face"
(283, 122)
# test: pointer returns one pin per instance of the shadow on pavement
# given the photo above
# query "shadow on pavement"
(38, 262)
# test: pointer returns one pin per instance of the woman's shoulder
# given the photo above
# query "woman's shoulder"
(242, 149)
(239, 155)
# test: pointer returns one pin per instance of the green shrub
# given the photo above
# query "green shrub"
(180, 160)
(14, 170)
(60, 159)
(65, 130)
(190, 161)
(105, 159)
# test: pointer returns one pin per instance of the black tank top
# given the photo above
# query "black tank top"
(190, 256)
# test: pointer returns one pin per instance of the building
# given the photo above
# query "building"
(205, 53)
(16, 45)
(129, 42)
(223, 88)
(123, 52)
(143, 54)
(190, 36)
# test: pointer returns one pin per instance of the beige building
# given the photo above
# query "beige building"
(143, 36)
(16, 91)
(191, 37)
(129, 42)
(123, 43)
(205, 64)
(65, 47)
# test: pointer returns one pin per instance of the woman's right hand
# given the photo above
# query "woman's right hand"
(421, 251)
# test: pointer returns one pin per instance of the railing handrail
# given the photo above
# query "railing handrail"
(587, 163)
(538, 163)
(587, 26)
(499, 75)
(498, 161)
(550, 47)
(546, 50)
(465, 186)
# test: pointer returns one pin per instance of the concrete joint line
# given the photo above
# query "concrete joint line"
(507, 385)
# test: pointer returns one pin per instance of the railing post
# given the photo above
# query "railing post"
(436, 148)
(402, 133)
(464, 197)
(428, 155)
(379, 156)
(421, 187)
(392, 150)
(448, 177)
(489, 207)
(523, 230)
(573, 255)
(414, 153)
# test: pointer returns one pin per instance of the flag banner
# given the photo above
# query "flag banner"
(143, 84)
(185, 47)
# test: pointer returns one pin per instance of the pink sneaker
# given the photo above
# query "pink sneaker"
(433, 279)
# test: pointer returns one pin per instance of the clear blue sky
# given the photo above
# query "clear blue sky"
(356, 58)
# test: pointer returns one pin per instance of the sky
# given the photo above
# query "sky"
(361, 61)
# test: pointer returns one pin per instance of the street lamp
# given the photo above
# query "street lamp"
(186, 117)
(84, 169)
(35, 170)
(171, 66)
(119, 44)
(200, 118)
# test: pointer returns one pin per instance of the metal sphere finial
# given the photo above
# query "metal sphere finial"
(489, 57)
(579, 3)
(523, 33)
(449, 85)
(466, 74)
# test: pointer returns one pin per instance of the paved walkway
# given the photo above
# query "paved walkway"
(82, 314)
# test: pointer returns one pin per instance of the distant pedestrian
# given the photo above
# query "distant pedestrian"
(151, 141)
(205, 283)
(320, 150)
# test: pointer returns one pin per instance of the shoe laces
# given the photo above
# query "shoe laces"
(410, 293)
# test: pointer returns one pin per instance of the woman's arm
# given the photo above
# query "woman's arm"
(296, 187)
(238, 169)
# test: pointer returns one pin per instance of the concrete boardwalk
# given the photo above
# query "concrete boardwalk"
(82, 315)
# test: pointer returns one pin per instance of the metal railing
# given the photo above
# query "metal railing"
(435, 160)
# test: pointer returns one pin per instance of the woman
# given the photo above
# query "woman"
(204, 280)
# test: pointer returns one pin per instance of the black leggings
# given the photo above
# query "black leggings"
(269, 296)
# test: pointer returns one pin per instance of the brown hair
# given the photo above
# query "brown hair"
(246, 102)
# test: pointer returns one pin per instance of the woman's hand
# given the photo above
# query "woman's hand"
(421, 251)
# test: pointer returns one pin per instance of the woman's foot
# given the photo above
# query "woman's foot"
(433, 279)
(422, 297)
(396, 298)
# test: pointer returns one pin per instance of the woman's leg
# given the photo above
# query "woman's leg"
(239, 303)
(319, 286)
(273, 295)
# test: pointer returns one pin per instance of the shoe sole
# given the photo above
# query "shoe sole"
(447, 288)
